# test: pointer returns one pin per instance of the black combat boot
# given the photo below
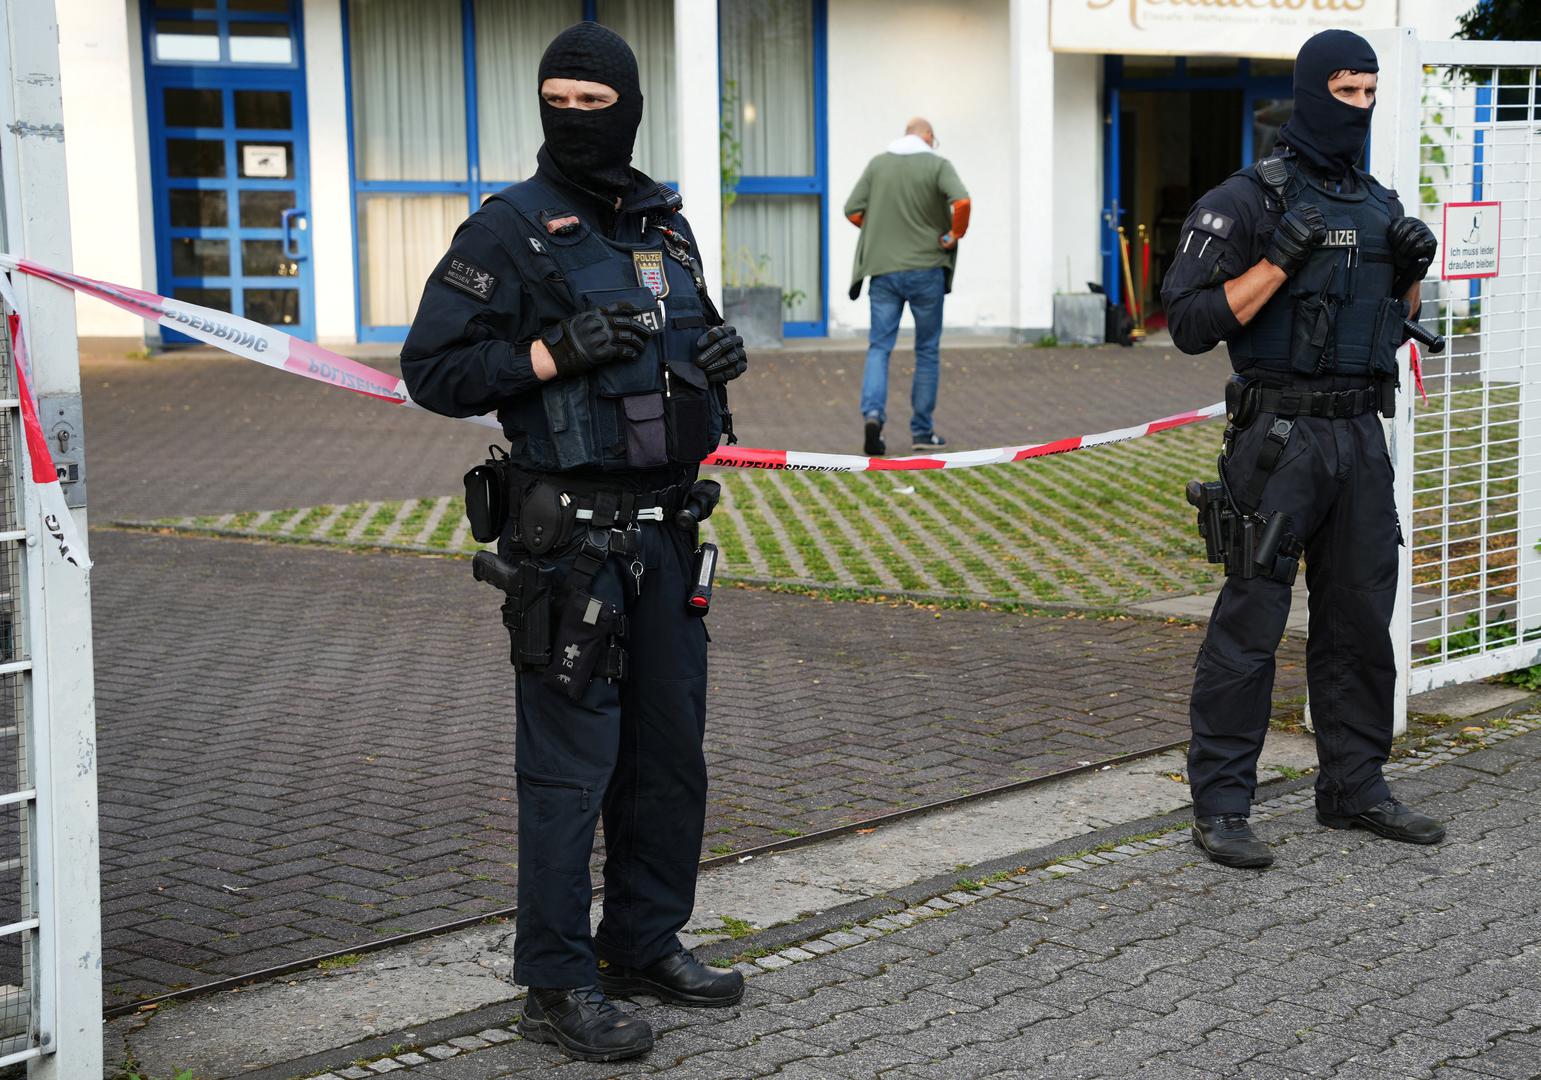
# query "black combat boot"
(584, 1024)
(678, 978)
(1228, 839)
(1390, 819)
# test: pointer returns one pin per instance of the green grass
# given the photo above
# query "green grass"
(339, 963)
(736, 928)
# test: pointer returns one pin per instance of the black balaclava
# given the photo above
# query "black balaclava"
(593, 146)
(1329, 133)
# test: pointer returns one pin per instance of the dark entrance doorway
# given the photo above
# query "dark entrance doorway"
(1176, 127)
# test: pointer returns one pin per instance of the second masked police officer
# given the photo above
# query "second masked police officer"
(1306, 267)
(573, 304)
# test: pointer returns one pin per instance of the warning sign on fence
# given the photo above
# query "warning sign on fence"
(1470, 245)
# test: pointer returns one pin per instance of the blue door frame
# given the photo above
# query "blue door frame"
(1114, 82)
(817, 184)
(284, 295)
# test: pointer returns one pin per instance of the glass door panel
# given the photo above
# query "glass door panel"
(231, 177)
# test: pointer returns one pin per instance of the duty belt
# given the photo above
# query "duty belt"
(1333, 404)
(619, 509)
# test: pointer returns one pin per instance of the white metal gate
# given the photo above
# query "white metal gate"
(1458, 134)
(50, 924)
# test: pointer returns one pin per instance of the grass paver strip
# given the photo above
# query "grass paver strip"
(883, 545)
(380, 522)
(767, 557)
(984, 499)
(1108, 523)
(724, 531)
(363, 521)
(808, 539)
(410, 523)
(880, 495)
(842, 538)
(776, 517)
(1090, 529)
(450, 513)
(344, 523)
(966, 549)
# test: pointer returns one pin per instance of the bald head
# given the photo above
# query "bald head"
(919, 125)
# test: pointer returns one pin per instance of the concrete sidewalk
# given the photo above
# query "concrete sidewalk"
(1106, 953)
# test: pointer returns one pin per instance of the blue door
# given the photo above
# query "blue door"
(229, 158)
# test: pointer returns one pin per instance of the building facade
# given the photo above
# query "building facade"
(304, 162)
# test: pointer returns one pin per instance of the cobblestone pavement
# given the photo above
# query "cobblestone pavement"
(304, 749)
(1354, 957)
(202, 433)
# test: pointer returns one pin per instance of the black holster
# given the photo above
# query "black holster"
(527, 587)
(1250, 545)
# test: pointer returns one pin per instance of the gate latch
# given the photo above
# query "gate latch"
(64, 426)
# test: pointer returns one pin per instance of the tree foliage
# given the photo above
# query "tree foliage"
(1502, 20)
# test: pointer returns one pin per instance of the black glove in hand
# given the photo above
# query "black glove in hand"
(1413, 246)
(1299, 233)
(720, 353)
(592, 338)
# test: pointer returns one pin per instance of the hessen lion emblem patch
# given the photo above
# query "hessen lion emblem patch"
(650, 272)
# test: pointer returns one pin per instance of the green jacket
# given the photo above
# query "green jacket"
(904, 197)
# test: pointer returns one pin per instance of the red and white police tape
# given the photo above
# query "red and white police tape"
(53, 513)
(277, 349)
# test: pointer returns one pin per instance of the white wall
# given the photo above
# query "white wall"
(1435, 20)
(105, 140)
(331, 213)
(949, 62)
(1077, 171)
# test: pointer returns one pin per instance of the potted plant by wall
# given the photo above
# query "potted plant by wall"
(751, 301)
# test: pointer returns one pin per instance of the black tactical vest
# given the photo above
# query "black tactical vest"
(1337, 315)
(651, 412)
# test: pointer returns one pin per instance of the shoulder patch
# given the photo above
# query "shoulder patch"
(1213, 222)
(470, 279)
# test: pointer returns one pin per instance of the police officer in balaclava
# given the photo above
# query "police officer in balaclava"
(573, 304)
(1306, 267)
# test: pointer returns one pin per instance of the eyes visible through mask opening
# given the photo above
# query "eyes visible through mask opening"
(1356, 88)
(577, 94)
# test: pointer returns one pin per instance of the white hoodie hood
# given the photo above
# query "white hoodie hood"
(910, 144)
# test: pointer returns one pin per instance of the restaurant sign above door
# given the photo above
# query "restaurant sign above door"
(1263, 28)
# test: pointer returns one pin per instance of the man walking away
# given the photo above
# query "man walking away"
(912, 210)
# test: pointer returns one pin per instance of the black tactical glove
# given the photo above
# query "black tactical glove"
(720, 353)
(1412, 250)
(592, 338)
(1299, 233)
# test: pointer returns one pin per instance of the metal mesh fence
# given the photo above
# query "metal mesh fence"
(1476, 598)
(16, 903)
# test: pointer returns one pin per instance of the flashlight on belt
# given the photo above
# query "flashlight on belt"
(699, 602)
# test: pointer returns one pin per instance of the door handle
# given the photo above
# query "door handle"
(291, 247)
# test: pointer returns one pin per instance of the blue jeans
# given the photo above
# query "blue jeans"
(923, 290)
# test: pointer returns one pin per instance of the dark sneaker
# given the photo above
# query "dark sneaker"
(584, 1024)
(932, 441)
(680, 979)
(1228, 839)
(873, 445)
(1390, 819)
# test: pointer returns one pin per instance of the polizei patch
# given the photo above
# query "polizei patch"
(1341, 238)
(470, 279)
(650, 272)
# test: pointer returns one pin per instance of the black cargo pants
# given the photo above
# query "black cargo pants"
(1334, 479)
(628, 751)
